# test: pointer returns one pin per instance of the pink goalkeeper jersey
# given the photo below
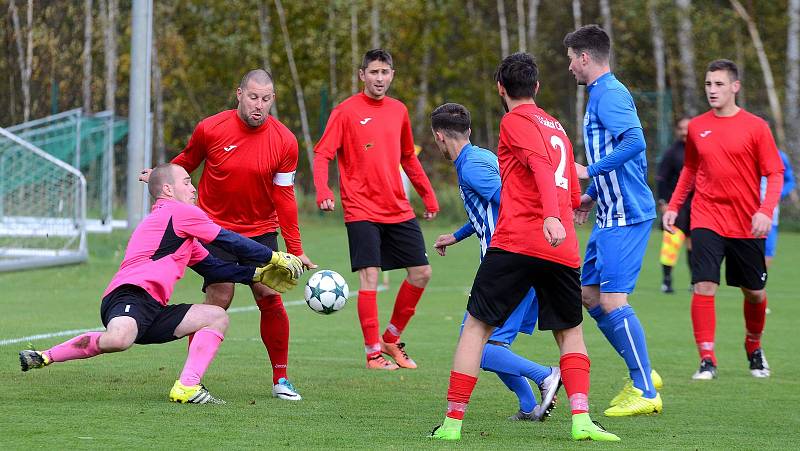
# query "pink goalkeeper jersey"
(162, 246)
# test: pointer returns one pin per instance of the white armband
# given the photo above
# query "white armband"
(284, 178)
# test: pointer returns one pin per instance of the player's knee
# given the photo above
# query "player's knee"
(116, 342)
(754, 296)
(420, 276)
(368, 278)
(217, 318)
(219, 294)
(705, 288)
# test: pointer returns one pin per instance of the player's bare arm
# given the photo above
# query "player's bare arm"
(144, 176)
(761, 225)
(582, 212)
(554, 231)
(583, 173)
(443, 241)
(668, 220)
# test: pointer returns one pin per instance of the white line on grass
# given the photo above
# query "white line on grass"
(249, 308)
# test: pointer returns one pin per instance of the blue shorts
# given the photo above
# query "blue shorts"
(614, 257)
(522, 319)
(772, 242)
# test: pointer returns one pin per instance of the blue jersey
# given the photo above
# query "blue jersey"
(622, 194)
(479, 186)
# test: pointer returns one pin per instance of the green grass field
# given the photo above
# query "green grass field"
(120, 400)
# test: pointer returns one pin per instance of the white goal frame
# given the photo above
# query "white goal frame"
(55, 232)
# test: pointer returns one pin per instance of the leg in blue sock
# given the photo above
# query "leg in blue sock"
(629, 335)
(605, 326)
(500, 359)
(522, 388)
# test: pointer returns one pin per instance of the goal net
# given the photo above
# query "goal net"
(42, 207)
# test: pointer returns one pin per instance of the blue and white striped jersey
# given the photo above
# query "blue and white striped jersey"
(479, 186)
(623, 196)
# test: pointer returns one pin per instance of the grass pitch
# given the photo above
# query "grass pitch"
(120, 400)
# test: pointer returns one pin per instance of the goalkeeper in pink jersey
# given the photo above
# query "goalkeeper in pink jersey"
(135, 305)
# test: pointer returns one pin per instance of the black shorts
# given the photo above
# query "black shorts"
(744, 259)
(388, 246)
(504, 278)
(269, 239)
(156, 323)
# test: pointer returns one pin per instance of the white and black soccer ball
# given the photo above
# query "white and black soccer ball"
(326, 292)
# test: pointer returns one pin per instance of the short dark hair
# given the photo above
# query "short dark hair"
(452, 119)
(376, 55)
(161, 175)
(518, 75)
(726, 65)
(590, 39)
(260, 76)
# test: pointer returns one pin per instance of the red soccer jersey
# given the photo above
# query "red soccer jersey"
(372, 139)
(247, 185)
(725, 159)
(537, 170)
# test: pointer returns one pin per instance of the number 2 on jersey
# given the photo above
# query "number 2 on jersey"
(558, 143)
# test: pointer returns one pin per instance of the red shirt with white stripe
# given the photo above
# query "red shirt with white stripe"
(372, 139)
(247, 185)
(725, 159)
(537, 171)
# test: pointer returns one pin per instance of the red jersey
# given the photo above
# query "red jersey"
(162, 246)
(247, 185)
(372, 139)
(725, 159)
(537, 170)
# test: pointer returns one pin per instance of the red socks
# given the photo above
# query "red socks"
(704, 323)
(368, 317)
(404, 307)
(275, 333)
(458, 393)
(755, 316)
(575, 376)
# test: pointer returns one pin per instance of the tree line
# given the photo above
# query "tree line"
(64, 54)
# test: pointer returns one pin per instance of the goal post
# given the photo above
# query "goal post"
(42, 207)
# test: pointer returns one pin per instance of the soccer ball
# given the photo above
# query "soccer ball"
(326, 292)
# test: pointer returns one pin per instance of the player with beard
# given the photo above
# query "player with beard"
(247, 186)
(370, 135)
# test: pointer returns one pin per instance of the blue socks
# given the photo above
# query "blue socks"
(515, 371)
(499, 359)
(520, 386)
(623, 330)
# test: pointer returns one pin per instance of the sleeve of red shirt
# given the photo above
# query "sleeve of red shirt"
(324, 152)
(771, 166)
(574, 184)
(688, 173)
(284, 200)
(413, 168)
(195, 151)
(527, 146)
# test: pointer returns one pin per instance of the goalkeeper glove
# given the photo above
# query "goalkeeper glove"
(289, 262)
(278, 278)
